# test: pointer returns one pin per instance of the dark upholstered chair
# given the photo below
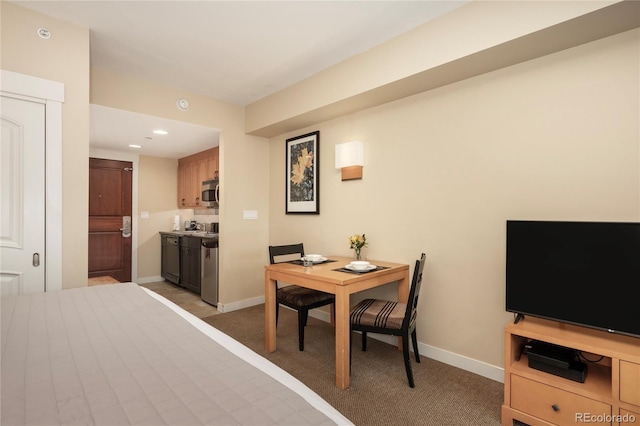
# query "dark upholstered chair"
(394, 318)
(295, 297)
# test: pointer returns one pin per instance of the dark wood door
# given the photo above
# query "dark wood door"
(109, 203)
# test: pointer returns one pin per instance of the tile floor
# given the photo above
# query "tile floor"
(187, 300)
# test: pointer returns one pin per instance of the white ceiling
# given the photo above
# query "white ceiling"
(235, 51)
(116, 129)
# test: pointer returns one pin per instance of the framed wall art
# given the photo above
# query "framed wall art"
(303, 174)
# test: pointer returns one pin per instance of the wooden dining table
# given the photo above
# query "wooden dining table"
(326, 277)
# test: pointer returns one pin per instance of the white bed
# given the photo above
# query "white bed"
(121, 354)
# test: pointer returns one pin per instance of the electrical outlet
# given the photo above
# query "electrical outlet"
(144, 215)
(250, 214)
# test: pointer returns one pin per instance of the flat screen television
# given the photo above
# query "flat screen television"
(584, 273)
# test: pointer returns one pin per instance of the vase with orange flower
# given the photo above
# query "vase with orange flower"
(357, 242)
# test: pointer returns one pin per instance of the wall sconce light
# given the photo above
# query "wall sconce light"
(350, 158)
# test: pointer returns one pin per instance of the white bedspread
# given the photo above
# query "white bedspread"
(113, 355)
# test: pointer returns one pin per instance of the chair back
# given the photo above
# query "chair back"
(414, 292)
(285, 250)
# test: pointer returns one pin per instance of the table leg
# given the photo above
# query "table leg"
(269, 313)
(343, 331)
(403, 288)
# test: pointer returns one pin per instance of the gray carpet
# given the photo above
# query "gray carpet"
(379, 392)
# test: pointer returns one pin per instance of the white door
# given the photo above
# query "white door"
(22, 199)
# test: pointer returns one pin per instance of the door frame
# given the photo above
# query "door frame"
(51, 93)
(134, 159)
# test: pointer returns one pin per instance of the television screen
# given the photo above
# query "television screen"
(584, 273)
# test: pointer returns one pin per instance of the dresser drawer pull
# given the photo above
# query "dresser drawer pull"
(555, 407)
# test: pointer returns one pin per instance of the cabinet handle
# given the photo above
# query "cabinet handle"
(183, 201)
(555, 407)
(197, 201)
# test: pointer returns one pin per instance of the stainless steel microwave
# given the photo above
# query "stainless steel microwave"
(211, 193)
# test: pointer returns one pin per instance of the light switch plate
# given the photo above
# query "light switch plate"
(144, 215)
(250, 214)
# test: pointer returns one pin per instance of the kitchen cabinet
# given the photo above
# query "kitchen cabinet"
(609, 395)
(192, 171)
(190, 263)
(188, 191)
(186, 263)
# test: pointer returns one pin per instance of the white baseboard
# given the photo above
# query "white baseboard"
(460, 361)
(318, 314)
(246, 303)
(147, 280)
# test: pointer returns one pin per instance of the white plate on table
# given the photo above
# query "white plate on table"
(322, 259)
(368, 268)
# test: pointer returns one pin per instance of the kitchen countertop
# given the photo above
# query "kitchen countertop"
(198, 234)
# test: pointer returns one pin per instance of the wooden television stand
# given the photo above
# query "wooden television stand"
(610, 394)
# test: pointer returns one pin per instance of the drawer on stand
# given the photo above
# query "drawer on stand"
(629, 418)
(630, 382)
(552, 404)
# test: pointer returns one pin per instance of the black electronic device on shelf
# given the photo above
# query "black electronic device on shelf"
(556, 360)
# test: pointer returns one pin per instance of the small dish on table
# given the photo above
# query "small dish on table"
(311, 259)
(360, 266)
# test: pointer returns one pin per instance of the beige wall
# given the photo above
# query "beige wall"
(552, 138)
(63, 58)
(243, 176)
(157, 195)
(479, 37)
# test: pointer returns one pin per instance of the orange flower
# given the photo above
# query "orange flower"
(357, 241)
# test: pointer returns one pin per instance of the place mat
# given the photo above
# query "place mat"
(299, 262)
(350, 271)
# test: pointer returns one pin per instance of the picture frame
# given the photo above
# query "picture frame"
(303, 174)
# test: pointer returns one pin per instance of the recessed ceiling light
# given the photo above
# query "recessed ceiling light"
(44, 33)
(135, 146)
(160, 132)
(182, 104)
